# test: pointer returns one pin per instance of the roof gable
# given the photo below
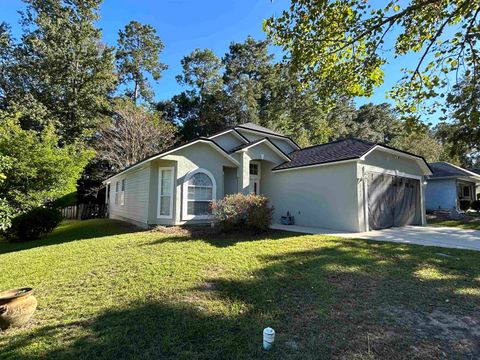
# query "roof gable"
(443, 169)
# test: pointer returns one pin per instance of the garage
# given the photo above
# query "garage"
(393, 201)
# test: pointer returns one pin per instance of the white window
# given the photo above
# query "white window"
(122, 194)
(165, 193)
(116, 193)
(199, 190)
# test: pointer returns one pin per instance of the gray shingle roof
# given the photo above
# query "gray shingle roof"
(475, 170)
(445, 169)
(330, 152)
(255, 127)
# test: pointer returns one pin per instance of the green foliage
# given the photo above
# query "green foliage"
(40, 171)
(461, 130)
(421, 143)
(339, 46)
(138, 52)
(59, 73)
(243, 212)
(33, 224)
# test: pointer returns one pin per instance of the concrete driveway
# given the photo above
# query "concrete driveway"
(448, 237)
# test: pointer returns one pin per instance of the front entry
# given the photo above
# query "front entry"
(393, 201)
(254, 187)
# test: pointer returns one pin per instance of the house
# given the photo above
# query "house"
(349, 185)
(449, 185)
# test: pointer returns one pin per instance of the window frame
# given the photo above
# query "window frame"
(172, 181)
(188, 176)
(122, 192)
(117, 187)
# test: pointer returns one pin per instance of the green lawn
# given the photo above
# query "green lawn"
(472, 224)
(107, 292)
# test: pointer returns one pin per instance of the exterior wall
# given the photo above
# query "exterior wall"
(324, 196)
(189, 159)
(230, 180)
(137, 190)
(392, 162)
(441, 194)
(153, 203)
(227, 141)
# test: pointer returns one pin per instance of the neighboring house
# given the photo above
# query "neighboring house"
(449, 185)
(350, 185)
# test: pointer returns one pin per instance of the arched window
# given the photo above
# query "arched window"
(199, 190)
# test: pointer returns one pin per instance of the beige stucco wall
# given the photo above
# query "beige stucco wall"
(324, 196)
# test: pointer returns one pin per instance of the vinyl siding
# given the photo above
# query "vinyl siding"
(137, 188)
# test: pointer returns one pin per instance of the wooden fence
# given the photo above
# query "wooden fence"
(85, 211)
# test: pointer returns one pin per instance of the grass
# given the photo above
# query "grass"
(473, 223)
(108, 292)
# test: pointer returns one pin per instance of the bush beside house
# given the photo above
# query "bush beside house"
(33, 224)
(246, 212)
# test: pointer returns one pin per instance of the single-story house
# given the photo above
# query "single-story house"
(351, 185)
(449, 185)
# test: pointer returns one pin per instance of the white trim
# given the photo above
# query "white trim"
(187, 177)
(317, 165)
(211, 143)
(295, 146)
(365, 199)
(420, 160)
(370, 168)
(238, 136)
(270, 145)
(172, 179)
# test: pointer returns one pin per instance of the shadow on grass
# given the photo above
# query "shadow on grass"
(353, 299)
(223, 240)
(73, 230)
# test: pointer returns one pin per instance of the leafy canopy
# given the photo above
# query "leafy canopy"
(59, 73)
(138, 54)
(38, 170)
(340, 46)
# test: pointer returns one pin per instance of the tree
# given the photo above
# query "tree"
(461, 129)
(59, 73)
(249, 76)
(138, 54)
(376, 123)
(338, 45)
(134, 134)
(420, 143)
(38, 170)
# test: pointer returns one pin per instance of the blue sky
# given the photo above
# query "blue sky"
(185, 25)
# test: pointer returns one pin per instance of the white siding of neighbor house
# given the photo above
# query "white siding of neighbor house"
(137, 192)
(324, 196)
(228, 141)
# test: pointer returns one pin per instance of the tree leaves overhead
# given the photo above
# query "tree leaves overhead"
(138, 54)
(338, 45)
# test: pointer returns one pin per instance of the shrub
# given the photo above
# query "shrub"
(246, 212)
(33, 224)
(476, 205)
(465, 205)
